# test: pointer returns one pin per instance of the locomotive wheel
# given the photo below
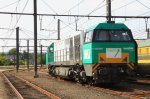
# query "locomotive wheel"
(83, 77)
(77, 71)
(131, 73)
(90, 81)
(79, 74)
(51, 70)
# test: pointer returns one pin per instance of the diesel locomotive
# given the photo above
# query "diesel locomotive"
(104, 53)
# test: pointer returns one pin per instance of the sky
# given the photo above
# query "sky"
(47, 25)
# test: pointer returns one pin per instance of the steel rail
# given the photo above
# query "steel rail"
(13, 88)
(137, 90)
(123, 94)
(112, 92)
(143, 81)
(142, 91)
(38, 88)
(139, 80)
(109, 91)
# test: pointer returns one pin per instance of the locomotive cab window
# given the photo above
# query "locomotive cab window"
(88, 36)
(112, 35)
(51, 49)
(120, 36)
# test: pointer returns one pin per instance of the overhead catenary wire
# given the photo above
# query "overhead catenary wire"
(124, 5)
(97, 7)
(18, 20)
(86, 14)
(68, 25)
(8, 29)
(49, 6)
(143, 4)
(11, 22)
(74, 6)
(70, 9)
(137, 18)
(16, 9)
(40, 36)
(71, 26)
(8, 5)
(73, 15)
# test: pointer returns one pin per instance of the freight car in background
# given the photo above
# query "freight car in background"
(105, 53)
(144, 57)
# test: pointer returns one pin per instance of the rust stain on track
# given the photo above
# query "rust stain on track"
(112, 92)
(14, 89)
(117, 93)
(48, 94)
(40, 89)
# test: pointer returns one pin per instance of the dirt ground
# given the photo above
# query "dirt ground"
(64, 89)
(5, 90)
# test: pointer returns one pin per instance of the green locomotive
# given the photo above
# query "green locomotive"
(105, 53)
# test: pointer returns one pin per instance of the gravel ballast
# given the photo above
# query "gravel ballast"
(64, 89)
(5, 90)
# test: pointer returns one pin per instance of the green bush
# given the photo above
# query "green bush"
(21, 62)
(2, 60)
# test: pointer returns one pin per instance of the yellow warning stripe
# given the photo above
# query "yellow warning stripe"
(130, 66)
(95, 67)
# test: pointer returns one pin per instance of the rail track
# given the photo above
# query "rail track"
(27, 90)
(143, 81)
(125, 91)
(121, 90)
(139, 80)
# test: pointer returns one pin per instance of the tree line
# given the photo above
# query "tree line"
(10, 58)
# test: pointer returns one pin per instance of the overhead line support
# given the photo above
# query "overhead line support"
(23, 46)
(24, 39)
(35, 38)
(17, 49)
(63, 15)
(108, 7)
(28, 54)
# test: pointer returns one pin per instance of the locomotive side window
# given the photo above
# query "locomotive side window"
(88, 36)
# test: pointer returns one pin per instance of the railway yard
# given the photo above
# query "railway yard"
(23, 85)
(75, 49)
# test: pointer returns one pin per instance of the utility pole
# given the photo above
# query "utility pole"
(148, 34)
(35, 38)
(147, 29)
(58, 29)
(28, 54)
(17, 49)
(41, 55)
(108, 7)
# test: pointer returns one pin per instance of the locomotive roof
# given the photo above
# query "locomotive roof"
(108, 26)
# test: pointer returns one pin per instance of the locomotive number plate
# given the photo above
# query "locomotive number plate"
(113, 52)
